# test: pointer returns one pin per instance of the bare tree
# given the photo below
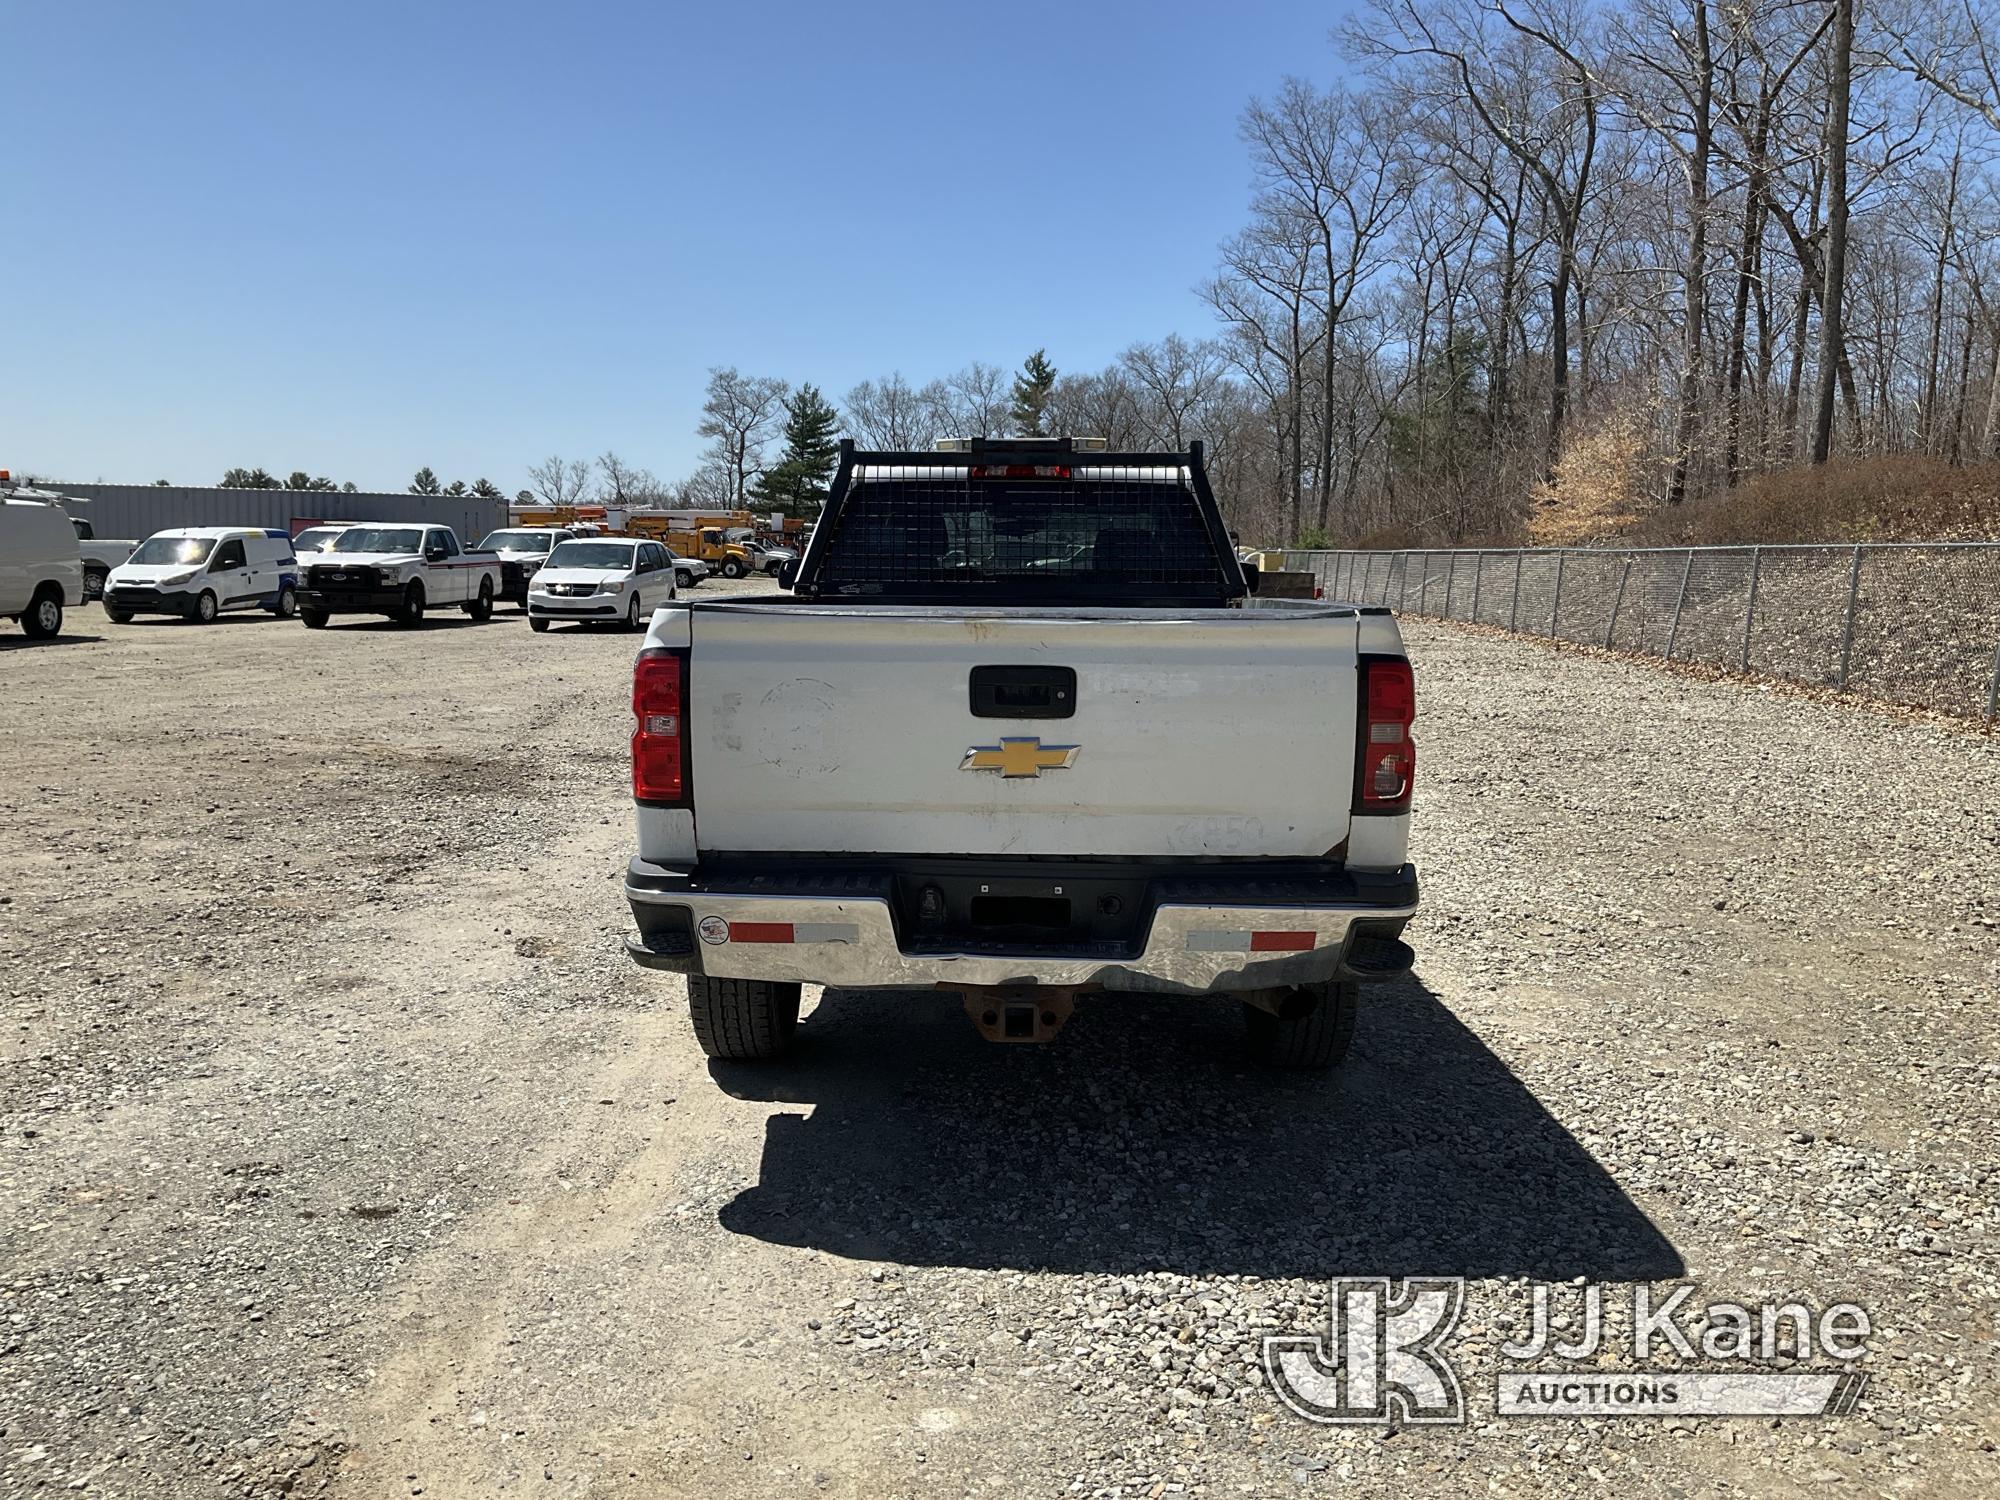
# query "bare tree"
(1954, 46)
(1327, 169)
(1176, 379)
(738, 417)
(1686, 70)
(976, 401)
(1540, 99)
(1264, 293)
(560, 481)
(711, 487)
(890, 413)
(1833, 294)
(1104, 404)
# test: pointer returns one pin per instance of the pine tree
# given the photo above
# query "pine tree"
(425, 482)
(485, 489)
(797, 483)
(1031, 394)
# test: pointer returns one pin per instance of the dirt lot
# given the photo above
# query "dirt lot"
(344, 1152)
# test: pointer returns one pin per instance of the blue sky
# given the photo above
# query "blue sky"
(356, 238)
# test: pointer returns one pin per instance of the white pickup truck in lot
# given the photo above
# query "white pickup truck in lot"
(1023, 732)
(100, 554)
(398, 570)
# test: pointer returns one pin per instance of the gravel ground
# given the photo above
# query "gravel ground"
(345, 1154)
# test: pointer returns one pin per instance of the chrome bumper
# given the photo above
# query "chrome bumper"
(851, 944)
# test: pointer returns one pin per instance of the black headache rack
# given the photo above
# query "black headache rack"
(1021, 521)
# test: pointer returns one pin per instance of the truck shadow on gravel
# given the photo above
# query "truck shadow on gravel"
(1141, 1140)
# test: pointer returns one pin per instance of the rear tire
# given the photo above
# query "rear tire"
(315, 618)
(1317, 1040)
(481, 609)
(742, 1019)
(43, 620)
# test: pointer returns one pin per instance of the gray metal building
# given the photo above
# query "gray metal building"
(139, 510)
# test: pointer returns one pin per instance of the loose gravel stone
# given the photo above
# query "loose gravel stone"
(347, 1154)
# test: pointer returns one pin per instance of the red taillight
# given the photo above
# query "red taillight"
(1388, 759)
(659, 739)
(1020, 471)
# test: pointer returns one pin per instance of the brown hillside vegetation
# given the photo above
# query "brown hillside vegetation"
(1597, 499)
(1900, 499)
(1598, 491)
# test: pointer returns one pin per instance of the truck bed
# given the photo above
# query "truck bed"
(1192, 733)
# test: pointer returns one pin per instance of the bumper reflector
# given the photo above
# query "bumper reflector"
(794, 932)
(1270, 941)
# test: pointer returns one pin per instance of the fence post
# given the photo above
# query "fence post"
(1750, 603)
(1514, 609)
(1403, 592)
(1450, 577)
(1993, 689)
(1617, 603)
(1478, 569)
(1556, 606)
(1847, 636)
(1674, 630)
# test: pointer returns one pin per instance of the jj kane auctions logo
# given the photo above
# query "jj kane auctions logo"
(1384, 1357)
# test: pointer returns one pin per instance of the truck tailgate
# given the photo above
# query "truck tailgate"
(852, 729)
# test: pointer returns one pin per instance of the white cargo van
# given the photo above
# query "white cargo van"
(41, 569)
(197, 572)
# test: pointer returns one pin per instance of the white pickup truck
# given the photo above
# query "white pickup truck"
(1023, 732)
(399, 570)
(100, 554)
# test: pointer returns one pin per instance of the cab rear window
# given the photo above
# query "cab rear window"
(1082, 538)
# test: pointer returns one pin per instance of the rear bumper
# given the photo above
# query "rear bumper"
(1201, 931)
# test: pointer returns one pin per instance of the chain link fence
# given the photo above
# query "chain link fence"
(1914, 623)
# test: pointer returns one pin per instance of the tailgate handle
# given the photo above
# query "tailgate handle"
(1023, 692)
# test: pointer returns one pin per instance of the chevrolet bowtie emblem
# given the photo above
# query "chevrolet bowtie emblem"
(1025, 757)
